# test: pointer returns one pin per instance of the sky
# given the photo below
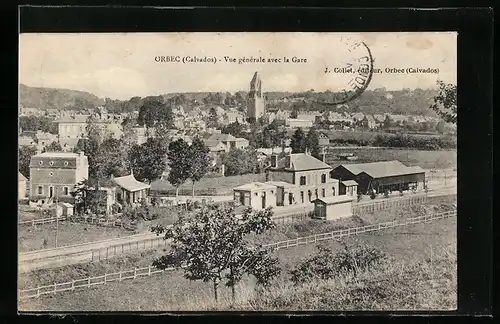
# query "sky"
(123, 65)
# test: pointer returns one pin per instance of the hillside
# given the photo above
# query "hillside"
(378, 101)
(51, 98)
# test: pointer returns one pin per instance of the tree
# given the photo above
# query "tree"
(213, 119)
(312, 143)
(298, 142)
(110, 158)
(211, 247)
(179, 163)
(25, 154)
(235, 129)
(388, 123)
(53, 147)
(155, 112)
(295, 112)
(88, 197)
(240, 162)
(148, 160)
(199, 161)
(445, 102)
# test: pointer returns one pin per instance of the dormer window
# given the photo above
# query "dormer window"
(51, 174)
(65, 163)
(51, 163)
(41, 162)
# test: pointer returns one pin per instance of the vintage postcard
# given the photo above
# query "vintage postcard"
(237, 172)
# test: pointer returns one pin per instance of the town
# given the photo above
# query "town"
(120, 173)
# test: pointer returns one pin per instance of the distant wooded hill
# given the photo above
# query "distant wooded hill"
(378, 101)
(53, 98)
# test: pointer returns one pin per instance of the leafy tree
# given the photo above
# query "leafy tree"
(211, 247)
(213, 119)
(88, 197)
(90, 146)
(110, 159)
(53, 147)
(240, 162)
(199, 161)
(148, 160)
(35, 123)
(298, 142)
(179, 162)
(312, 143)
(155, 112)
(445, 102)
(388, 122)
(295, 112)
(235, 129)
(25, 154)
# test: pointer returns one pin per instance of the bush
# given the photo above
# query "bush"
(327, 265)
(360, 197)
(386, 194)
(373, 195)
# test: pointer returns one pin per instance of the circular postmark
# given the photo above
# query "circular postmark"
(351, 76)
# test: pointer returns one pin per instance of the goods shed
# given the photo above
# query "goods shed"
(381, 176)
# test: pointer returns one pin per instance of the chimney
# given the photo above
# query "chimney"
(274, 160)
(288, 160)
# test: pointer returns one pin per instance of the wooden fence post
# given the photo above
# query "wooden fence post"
(55, 288)
(88, 284)
(120, 278)
(135, 273)
(37, 292)
(105, 278)
(73, 285)
(149, 271)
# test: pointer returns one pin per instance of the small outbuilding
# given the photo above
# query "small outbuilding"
(64, 209)
(348, 187)
(257, 195)
(22, 186)
(333, 208)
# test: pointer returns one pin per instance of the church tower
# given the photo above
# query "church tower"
(256, 105)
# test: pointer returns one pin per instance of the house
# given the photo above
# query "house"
(380, 176)
(333, 208)
(232, 116)
(257, 195)
(130, 191)
(324, 140)
(44, 139)
(54, 175)
(64, 209)
(372, 123)
(73, 126)
(299, 123)
(228, 140)
(25, 140)
(306, 176)
(21, 189)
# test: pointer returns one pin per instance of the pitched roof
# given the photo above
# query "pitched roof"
(21, 177)
(382, 169)
(72, 119)
(255, 186)
(58, 155)
(302, 162)
(349, 183)
(129, 183)
(280, 184)
(335, 199)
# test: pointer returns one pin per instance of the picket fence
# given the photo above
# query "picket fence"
(151, 270)
(98, 221)
(291, 216)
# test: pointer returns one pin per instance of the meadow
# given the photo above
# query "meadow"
(171, 291)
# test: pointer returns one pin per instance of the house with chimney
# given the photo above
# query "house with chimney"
(53, 176)
(297, 178)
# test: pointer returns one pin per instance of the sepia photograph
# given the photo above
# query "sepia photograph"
(270, 172)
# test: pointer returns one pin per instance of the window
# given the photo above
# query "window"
(302, 180)
(256, 194)
(323, 192)
(309, 194)
(40, 190)
(316, 193)
(65, 191)
(272, 191)
(51, 162)
(333, 190)
(41, 162)
(66, 163)
(323, 178)
(51, 174)
(302, 196)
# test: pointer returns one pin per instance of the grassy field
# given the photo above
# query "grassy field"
(31, 238)
(172, 292)
(442, 159)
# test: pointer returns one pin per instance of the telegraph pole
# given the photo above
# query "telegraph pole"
(57, 218)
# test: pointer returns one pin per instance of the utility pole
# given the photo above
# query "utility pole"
(57, 218)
